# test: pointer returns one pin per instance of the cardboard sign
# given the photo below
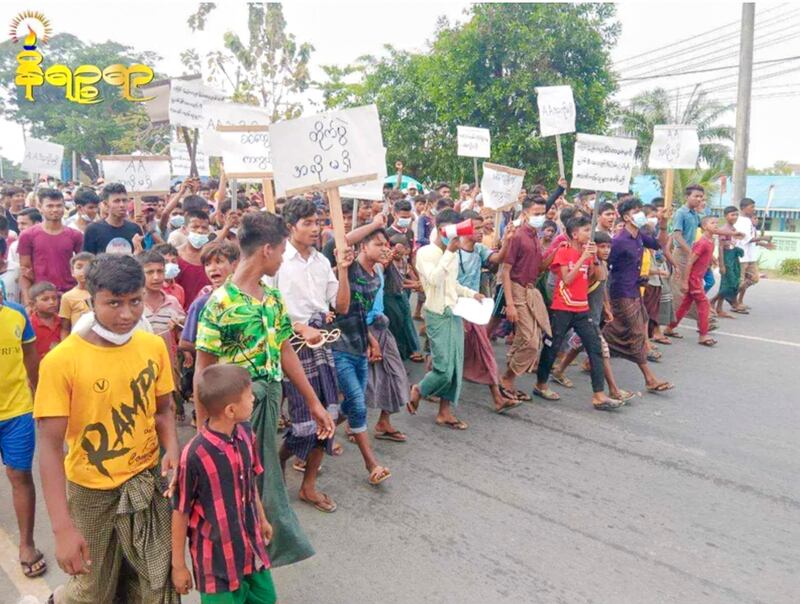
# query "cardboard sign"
(218, 113)
(500, 185)
(326, 151)
(181, 162)
(43, 157)
(674, 146)
(474, 142)
(373, 189)
(603, 163)
(187, 99)
(556, 110)
(139, 173)
(245, 153)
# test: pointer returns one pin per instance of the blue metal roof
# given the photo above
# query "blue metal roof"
(787, 191)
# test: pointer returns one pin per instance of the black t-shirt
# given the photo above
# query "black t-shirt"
(353, 324)
(101, 237)
(12, 220)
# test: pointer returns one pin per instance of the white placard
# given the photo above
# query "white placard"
(187, 101)
(469, 309)
(373, 189)
(326, 148)
(674, 146)
(242, 151)
(43, 157)
(138, 176)
(500, 186)
(181, 162)
(474, 142)
(556, 110)
(603, 163)
(218, 113)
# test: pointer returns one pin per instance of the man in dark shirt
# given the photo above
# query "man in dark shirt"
(525, 306)
(626, 335)
(356, 347)
(114, 234)
(13, 201)
(401, 225)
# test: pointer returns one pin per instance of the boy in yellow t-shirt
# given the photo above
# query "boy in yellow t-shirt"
(106, 391)
(75, 302)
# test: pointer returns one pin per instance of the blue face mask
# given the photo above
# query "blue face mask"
(177, 221)
(445, 240)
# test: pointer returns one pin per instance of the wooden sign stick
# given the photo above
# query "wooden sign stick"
(475, 168)
(137, 205)
(234, 194)
(337, 219)
(560, 156)
(669, 182)
(269, 195)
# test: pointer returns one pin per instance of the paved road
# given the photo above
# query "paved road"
(687, 497)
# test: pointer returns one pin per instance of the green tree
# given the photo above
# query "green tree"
(483, 73)
(269, 68)
(114, 125)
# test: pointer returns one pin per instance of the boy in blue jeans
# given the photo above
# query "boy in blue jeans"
(216, 501)
(19, 366)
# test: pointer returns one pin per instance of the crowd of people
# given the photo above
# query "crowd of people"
(122, 317)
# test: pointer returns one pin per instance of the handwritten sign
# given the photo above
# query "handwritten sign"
(556, 110)
(139, 173)
(182, 163)
(187, 99)
(245, 154)
(218, 113)
(372, 189)
(474, 142)
(500, 185)
(43, 157)
(603, 163)
(674, 146)
(325, 151)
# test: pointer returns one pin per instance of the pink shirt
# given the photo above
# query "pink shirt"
(50, 254)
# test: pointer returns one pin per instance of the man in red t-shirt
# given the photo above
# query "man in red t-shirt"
(692, 284)
(574, 263)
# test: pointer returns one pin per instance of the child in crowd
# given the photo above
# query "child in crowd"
(401, 279)
(221, 511)
(171, 271)
(44, 316)
(692, 284)
(75, 302)
(192, 277)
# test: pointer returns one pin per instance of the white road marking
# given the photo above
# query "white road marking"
(9, 564)
(739, 335)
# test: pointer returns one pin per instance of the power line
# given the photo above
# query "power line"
(679, 73)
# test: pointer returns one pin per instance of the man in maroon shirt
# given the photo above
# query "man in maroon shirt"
(692, 282)
(192, 277)
(525, 306)
(45, 249)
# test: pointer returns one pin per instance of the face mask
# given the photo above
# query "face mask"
(518, 207)
(84, 217)
(590, 203)
(537, 222)
(403, 223)
(234, 230)
(652, 221)
(117, 339)
(177, 221)
(197, 240)
(171, 270)
(639, 219)
(445, 240)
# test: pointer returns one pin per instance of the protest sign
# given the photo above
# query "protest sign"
(603, 163)
(325, 152)
(182, 163)
(556, 110)
(245, 151)
(674, 147)
(139, 173)
(500, 185)
(474, 142)
(219, 113)
(373, 189)
(187, 99)
(42, 157)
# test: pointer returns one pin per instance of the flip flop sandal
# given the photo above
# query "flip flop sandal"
(337, 449)
(453, 425)
(560, 378)
(547, 394)
(608, 405)
(741, 311)
(710, 343)
(351, 438)
(674, 335)
(507, 394)
(379, 476)
(416, 358)
(300, 466)
(664, 341)
(662, 387)
(522, 396)
(624, 396)
(394, 436)
(320, 505)
(29, 571)
(508, 407)
(654, 356)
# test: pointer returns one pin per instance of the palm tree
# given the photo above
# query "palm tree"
(654, 107)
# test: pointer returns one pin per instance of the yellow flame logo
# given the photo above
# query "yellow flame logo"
(37, 25)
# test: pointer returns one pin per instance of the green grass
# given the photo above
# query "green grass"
(775, 274)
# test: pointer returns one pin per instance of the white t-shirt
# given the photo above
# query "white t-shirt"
(745, 225)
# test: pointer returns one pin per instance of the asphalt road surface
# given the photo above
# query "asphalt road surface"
(690, 496)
